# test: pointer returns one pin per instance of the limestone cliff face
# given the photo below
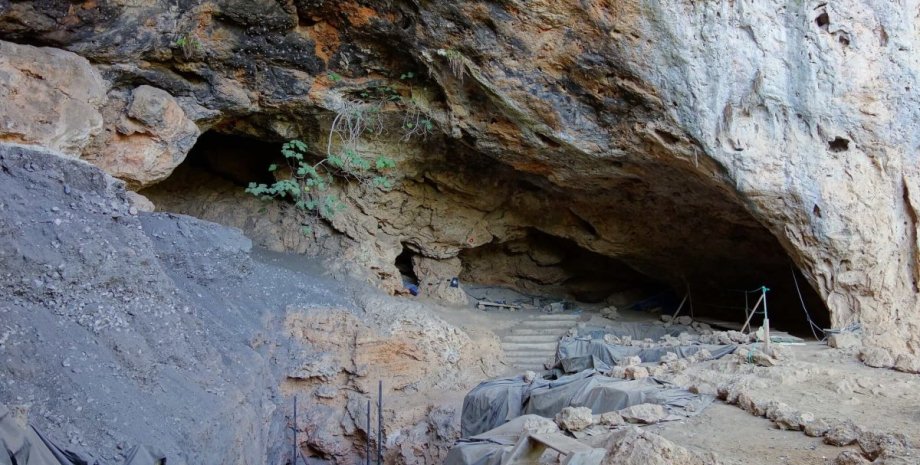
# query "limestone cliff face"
(697, 142)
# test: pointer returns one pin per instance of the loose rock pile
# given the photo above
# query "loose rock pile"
(875, 447)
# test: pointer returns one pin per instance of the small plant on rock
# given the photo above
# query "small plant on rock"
(307, 184)
(188, 44)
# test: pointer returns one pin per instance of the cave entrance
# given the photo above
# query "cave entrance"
(666, 240)
(557, 268)
(405, 267)
(544, 265)
(210, 183)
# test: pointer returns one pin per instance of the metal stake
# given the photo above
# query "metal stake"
(294, 452)
(379, 422)
(766, 325)
(367, 447)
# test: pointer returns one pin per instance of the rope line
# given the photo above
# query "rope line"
(811, 324)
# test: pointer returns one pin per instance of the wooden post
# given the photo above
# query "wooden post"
(766, 337)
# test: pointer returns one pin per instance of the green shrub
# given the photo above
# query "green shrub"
(307, 184)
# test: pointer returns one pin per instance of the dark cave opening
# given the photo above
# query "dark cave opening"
(546, 265)
(714, 264)
(405, 267)
(723, 292)
(237, 159)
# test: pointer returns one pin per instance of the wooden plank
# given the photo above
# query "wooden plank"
(483, 304)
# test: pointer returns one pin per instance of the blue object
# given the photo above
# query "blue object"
(412, 288)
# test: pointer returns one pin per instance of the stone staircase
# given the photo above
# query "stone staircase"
(532, 343)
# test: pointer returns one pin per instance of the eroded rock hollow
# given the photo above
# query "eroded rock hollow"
(607, 125)
(572, 149)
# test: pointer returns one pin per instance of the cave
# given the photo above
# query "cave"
(404, 265)
(550, 266)
(236, 159)
(709, 267)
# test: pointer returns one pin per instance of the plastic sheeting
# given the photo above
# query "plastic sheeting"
(635, 330)
(26, 446)
(489, 448)
(613, 354)
(603, 394)
(495, 402)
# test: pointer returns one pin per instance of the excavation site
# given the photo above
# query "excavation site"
(499, 232)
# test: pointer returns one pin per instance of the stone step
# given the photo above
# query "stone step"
(535, 332)
(548, 338)
(524, 346)
(561, 325)
(528, 361)
(531, 338)
(556, 318)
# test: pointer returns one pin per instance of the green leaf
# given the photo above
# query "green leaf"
(273, 167)
(306, 230)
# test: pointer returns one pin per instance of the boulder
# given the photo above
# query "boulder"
(669, 357)
(435, 277)
(844, 341)
(610, 419)
(850, 457)
(789, 419)
(574, 418)
(875, 444)
(146, 137)
(876, 357)
(634, 446)
(49, 97)
(644, 413)
(817, 428)
(907, 363)
(636, 372)
(140, 202)
(632, 361)
(842, 434)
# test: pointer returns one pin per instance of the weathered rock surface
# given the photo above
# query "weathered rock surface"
(574, 418)
(876, 357)
(173, 332)
(644, 413)
(844, 341)
(49, 97)
(633, 446)
(908, 363)
(673, 112)
(147, 136)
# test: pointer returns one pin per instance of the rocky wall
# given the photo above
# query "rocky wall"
(693, 141)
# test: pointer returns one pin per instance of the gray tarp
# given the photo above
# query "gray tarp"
(613, 354)
(635, 330)
(495, 402)
(603, 394)
(489, 447)
(26, 446)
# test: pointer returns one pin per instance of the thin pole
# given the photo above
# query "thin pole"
(753, 311)
(367, 448)
(766, 324)
(379, 422)
(294, 451)
(679, 307)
